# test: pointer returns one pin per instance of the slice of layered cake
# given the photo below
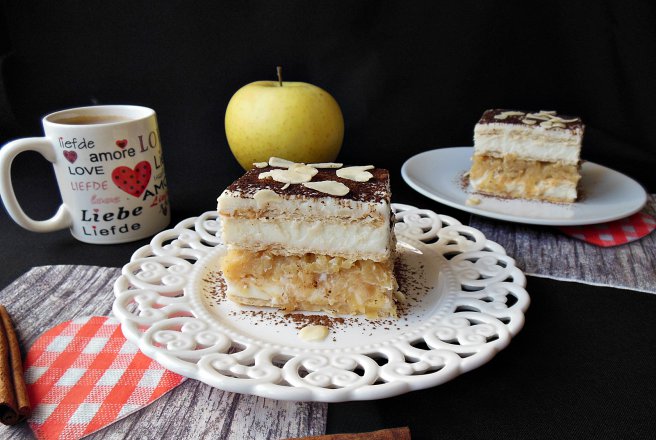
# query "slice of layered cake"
(528, 155)
(310, 237)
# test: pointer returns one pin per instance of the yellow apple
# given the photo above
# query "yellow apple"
(293, 120)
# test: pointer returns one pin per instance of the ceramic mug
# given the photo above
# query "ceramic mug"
(110, 171)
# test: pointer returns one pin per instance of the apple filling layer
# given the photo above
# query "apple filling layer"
(513, 177)
(310, 282)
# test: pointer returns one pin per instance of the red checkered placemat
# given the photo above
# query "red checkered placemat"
(83, 375)
(614, 233)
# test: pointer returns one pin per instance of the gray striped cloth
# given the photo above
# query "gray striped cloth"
(544, 251)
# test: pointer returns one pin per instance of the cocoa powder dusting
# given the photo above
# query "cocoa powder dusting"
(375, 190)
(301, 320)
(215, 287)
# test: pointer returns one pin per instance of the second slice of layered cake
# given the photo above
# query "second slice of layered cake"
(310, 237)
(528, 155)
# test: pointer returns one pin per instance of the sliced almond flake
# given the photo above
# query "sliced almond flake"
(303, 169)
(559, 120)
(528, 121)
(537, 116)
(265, 196)
(546, 124)
(261, 164)
(286, 185)
(328, 187)
(550, 115)
(555, 118)
(292, 175)
(504, 115)
(473, 201)
(280, 163)
(356, 173)
(326, 165)
(313, 333)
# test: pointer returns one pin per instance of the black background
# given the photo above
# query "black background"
(409, 76)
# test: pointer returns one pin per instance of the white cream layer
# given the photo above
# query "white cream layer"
(356, 240)
(528, 142)
(293, 226)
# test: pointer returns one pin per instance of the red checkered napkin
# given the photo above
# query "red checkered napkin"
(83, 375)
(614, 233)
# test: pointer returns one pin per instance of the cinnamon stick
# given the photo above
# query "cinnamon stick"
(384, 434)
(14, 401)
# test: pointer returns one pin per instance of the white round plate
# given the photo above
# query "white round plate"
(607, 194)
(465, 301)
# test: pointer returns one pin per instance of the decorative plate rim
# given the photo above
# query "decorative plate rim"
(479, 301)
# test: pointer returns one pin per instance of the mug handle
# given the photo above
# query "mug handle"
(62, 219)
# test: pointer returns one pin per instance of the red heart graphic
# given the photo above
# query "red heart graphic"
(131, 181)
(70, 156)
(121, 143)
